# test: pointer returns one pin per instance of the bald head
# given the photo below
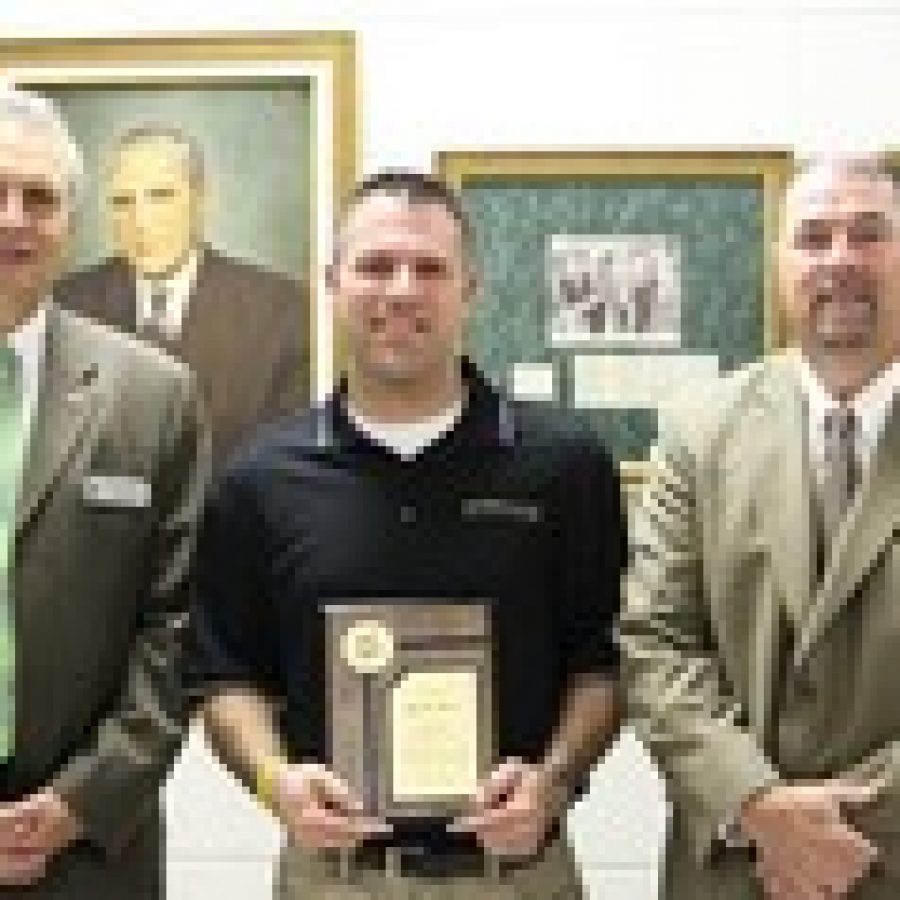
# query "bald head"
(819, 178)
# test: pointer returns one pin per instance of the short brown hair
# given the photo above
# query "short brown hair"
(414, 187)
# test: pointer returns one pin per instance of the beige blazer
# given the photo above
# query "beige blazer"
(723, 578)
(111, 493)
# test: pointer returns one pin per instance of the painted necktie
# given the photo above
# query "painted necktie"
(154, 327)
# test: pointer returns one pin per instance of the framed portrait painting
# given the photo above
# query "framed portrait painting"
(271, 118)
(611, 278)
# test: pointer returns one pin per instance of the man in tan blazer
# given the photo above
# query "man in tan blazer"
(99, 545)
(762, 622)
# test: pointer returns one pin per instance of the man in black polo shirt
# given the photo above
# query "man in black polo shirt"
(417, 479)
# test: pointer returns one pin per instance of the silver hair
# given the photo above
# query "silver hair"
(154, 131)
(814, 171)
(40, 113)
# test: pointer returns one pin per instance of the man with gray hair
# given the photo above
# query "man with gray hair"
(241, 327)
(102, 464)
(762, 623)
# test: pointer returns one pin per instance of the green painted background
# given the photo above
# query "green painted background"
(259, 153)
(720, 227)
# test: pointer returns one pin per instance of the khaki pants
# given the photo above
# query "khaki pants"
(552, 876)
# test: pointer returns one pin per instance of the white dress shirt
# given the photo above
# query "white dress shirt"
(871, 405)
(28, 342)
(178, 287)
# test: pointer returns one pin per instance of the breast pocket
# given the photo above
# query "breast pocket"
(83, 568)
(113, 517)
(116, 491)
(507, 539)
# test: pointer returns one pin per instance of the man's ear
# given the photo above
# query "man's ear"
(204, 203)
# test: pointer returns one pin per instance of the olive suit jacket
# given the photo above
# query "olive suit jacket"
(112, 485)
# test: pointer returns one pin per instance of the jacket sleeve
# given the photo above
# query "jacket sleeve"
(593, 538)
(880, 770)
(110, 780)
(681, 703)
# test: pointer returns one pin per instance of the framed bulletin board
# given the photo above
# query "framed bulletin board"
(612, 277)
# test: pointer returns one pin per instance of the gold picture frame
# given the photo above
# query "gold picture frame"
(767, 169)
(321, 66)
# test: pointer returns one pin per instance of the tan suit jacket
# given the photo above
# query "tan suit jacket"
(742, 667)
(111, 491)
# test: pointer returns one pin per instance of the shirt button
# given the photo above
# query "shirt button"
(407, 515)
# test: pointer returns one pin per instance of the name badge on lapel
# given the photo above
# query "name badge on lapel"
(116, 490)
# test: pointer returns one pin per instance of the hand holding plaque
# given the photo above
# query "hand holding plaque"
(318, 809)
(514, 809)
(410, 704)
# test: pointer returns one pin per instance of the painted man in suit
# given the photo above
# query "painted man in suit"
(762, 628)
(241, 328)
(102, 462)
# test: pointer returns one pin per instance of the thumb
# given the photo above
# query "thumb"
(502, 780)
(338, 793)
(856, 793)
(329, 788)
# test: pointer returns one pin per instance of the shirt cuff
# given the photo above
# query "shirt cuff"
(731, 835)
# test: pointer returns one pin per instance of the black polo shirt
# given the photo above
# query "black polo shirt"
(511, 504)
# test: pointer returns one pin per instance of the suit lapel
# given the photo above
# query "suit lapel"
(781, 488)
(70, 409)
(195, 328)
(870, 525)
(788, 495)
(120, 304)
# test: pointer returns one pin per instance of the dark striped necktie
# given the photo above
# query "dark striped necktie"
(842, 472)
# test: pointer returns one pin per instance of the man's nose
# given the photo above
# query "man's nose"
(403, 283)
(842, 250)
(141, 215)
(12, 207)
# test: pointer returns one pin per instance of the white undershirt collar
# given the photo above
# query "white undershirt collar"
(406, 439)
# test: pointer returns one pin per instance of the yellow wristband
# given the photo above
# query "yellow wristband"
(267, 778)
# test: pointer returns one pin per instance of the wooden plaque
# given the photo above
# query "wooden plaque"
(410, 698)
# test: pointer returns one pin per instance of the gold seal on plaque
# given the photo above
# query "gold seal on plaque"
(368, 646)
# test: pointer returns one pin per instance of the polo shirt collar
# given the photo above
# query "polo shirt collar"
(486, 419)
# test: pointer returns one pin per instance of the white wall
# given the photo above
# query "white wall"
(464, 73)
(472, 72)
